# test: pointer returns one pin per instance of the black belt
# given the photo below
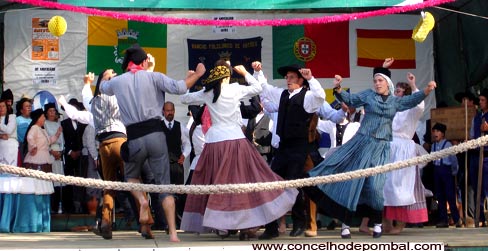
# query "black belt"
(144, 128)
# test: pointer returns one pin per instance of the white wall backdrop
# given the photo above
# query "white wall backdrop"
(72, 64)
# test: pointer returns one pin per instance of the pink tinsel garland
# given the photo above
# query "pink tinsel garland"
(243, 22)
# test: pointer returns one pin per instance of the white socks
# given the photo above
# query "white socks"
(377, 228)
(345, 229)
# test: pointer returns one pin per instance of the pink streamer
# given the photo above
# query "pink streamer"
(243, 22)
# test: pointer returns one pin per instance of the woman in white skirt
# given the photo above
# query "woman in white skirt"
(403, 191)
(229, 158)
(8, 136)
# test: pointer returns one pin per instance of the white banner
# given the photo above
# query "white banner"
(71, 66)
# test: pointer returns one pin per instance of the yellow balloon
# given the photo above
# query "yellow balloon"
(423, 28)
(57, 26)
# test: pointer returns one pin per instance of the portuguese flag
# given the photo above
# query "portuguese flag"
(374, 46)
(109, 38)
(324, 48)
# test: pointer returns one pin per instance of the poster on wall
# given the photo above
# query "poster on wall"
(44, 75)
(45, 46)
(224, 28)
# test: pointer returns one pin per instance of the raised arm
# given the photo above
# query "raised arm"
(271, 93)
(315, 97)
(86, 92)
(84, 117)
(193, 76)
(411, 81)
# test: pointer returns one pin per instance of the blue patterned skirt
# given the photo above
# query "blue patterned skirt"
(362, 196)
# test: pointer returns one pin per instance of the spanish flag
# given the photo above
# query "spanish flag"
(373, 46)
(109, 38)
(324, 48)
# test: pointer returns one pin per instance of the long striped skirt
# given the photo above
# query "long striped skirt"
(232, 162)
(361, 196)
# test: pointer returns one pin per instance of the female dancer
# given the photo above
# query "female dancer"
(370, 147)
(227, 158)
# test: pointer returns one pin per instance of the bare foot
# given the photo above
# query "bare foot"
(387, 228)
(173, 238)
(282, 229)
(144, 212)
(365, 230)
(394, 231)
(282, 226)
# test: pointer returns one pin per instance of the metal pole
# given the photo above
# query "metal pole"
(466, 156)
(480, 176)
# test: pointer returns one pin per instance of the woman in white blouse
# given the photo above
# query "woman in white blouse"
(8, 136)
(229, 158)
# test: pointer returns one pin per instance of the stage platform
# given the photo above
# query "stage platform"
(454, 239)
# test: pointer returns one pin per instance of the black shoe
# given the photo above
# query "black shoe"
(297, 231)
(106, 232)
(268, 235)
(442, 225)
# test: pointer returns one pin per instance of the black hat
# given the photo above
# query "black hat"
(382, 70)
(484, 93)
(135, 54)
(36, 114)
(7, 95)
(293, 68)
(49, 106)
(439, 127)
(460, 95)
(74, 102)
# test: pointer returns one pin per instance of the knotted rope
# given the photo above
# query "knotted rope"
(244, 188)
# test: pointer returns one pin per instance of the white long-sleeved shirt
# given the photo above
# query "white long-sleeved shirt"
(329, 127)
(225, 113)
(405, 123)
(326, 112)
(11, 128)
(198, 139)
(314, 98)
(84, 117)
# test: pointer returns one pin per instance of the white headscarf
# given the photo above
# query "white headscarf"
(391, 87)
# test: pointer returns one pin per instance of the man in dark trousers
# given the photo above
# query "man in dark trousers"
(179, 149)
(295, 106)
(73, 143)
(140, 95)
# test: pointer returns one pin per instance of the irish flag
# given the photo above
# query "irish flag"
(373, 46)
(109, 38)
(324, 48)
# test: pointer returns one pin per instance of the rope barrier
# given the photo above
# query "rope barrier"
(244, 188)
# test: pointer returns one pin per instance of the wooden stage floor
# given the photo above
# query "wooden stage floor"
(453, 238)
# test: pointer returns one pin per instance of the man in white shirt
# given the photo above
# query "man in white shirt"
(295, 107)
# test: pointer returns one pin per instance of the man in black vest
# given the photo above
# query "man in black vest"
(179, 148)
(73, 143)
(296, 105)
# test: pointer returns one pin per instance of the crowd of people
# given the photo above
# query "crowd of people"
(242, 132)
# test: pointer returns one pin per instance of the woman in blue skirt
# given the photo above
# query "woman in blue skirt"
(370, 147)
